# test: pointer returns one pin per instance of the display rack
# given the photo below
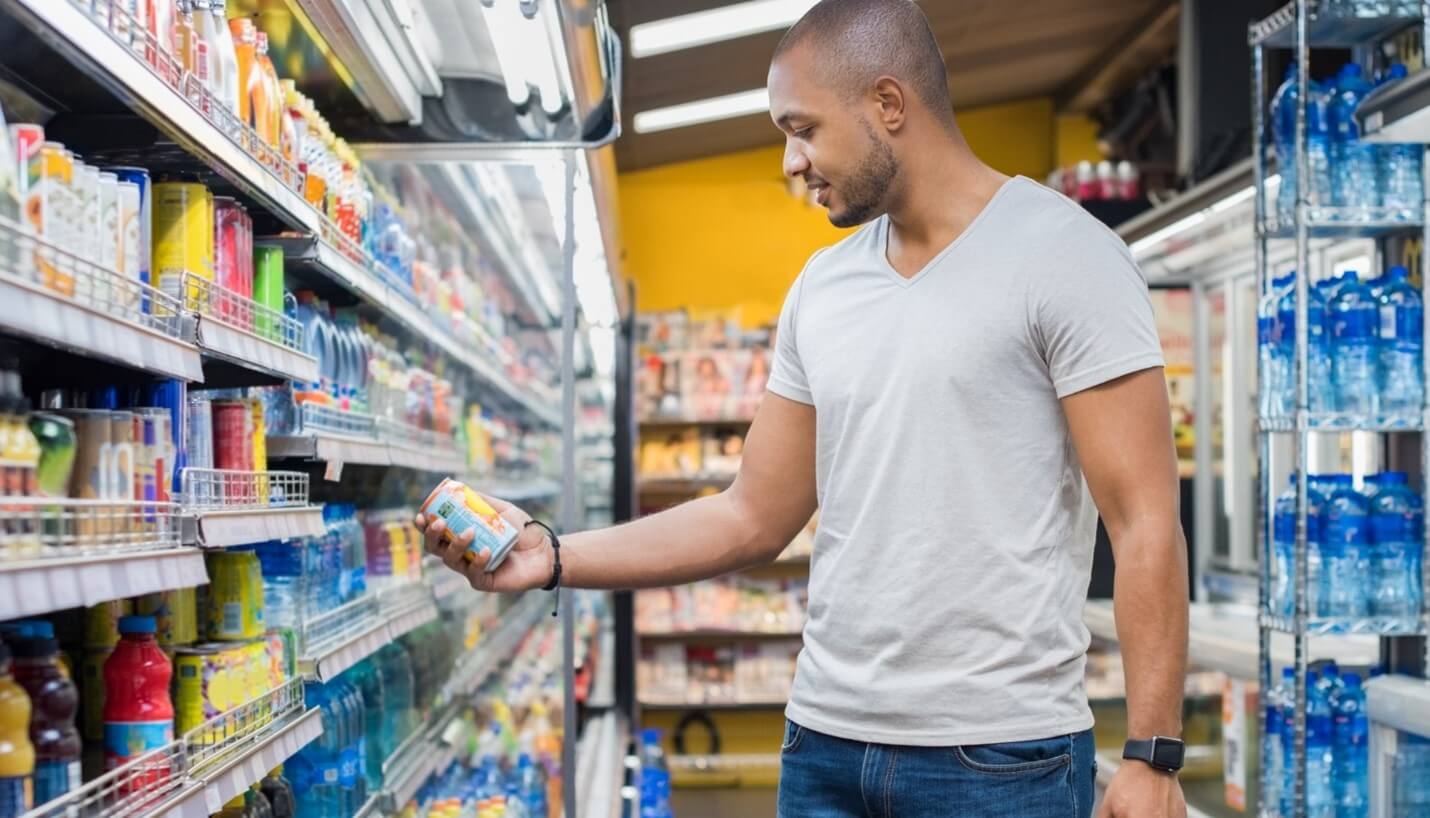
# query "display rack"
(224, 508)
(1300, 26)
(332, 436)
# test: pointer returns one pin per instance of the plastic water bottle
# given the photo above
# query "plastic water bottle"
(1394, 592)
(1345, 553)
(1355, 328)
(1283, 589)
(1411, 774)
(284, 582)
(1318, 349)
(1283, 117)
(1353, 162)
(397, 688)
(1320, 752)
(315, 770)
(655, 777)
(1276, 385)
(1273, 760)
(1402, 333)
(365, 679)
(1402, 186)
(1351, 783)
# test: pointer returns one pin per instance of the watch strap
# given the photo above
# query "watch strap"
(1149, 751)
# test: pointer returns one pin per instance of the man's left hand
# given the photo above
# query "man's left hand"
(1138, 791)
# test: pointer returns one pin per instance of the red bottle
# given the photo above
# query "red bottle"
(54, 701)
(138, 713)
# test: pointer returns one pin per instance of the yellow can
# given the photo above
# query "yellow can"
(260, 448)
(208, 681)
(101, 622)
(176, 613)
(52, 211)
(235, 596)
(183, 238)
(91, 688)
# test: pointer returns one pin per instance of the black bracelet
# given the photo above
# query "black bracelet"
(554, 584)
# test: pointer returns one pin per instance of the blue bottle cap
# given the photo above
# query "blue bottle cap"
(1352, 680)
(651, 735)
(1393, 478)
(137, 624)
(1398, 72)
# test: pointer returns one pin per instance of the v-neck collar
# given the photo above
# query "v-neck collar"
(883, 242)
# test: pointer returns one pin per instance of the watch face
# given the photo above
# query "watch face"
(1168, 753)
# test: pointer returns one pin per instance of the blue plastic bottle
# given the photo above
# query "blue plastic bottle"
(1352, 733)
(314, 771)
(1353, 162)
(1393, 590)
(655, 776)
(1318, 349)
(1273, 766)
(1345, 553)
(1283, 117)
(1402, 332)
(1276, 387)
(1320, 753)
(1355, 327)
(397, 688)
(365, 679)
(1283, 591)
(1401, 185)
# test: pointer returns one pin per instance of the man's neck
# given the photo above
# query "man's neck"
(943, 191)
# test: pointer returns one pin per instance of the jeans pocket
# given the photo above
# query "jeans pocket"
(1012, 757)
(793, 734)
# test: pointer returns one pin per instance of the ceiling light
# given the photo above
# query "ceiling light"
(743, 103)
(524, 53)
(715, 25)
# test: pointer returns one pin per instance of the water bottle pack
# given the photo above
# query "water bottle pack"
(1363, 549)
(1365, 347)
(1337, 781)
(1351, 180)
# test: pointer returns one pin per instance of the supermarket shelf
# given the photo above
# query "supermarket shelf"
(1397, 112)
(372, 808)
(720, 706)
(718, 635)
(83, 41)
(443, 581)
(245, 349)
(696, 771)
(330, 448)
(1223, 637)
(338, 267)
(1345, 423)
(32, 311)
(517, 492)
(410, 609)
(1327, 223)
(1346, 625)
(349, 634)
(220, 529)
(668, 422)
(230, 778)
(600, 767)
(1330, 26)
(39, 586)
(1401, 702)
(684, 485)
(478, 665)
(603, 689)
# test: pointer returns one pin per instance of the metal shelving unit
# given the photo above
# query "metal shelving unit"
(1302, 25)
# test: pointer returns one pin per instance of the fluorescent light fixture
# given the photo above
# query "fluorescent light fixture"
(1233, 200)
(1175, 228)
(715, 25)
(713, 109)
(1220, 206)
(524, 53)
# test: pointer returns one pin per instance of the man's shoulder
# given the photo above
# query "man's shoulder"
(853, 247)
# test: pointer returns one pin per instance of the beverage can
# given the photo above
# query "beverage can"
(268, 291)
(259, 460)
(183, 239)
(175, 614)
(121, 465)
(228, 223)
(91, 687)
(25, 141)
(51, 198)
(199, 446)
(101, 622)
(232, 447)
(93, 470)
(464, 510)
(56, 436)
(146, 461)
(110, 248)
(89, 285)
(172, 396)
(235, 599)
(139, 177)
(131, 249)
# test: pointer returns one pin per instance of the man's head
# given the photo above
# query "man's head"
(854, 85)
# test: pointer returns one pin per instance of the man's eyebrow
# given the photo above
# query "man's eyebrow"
(783, 119)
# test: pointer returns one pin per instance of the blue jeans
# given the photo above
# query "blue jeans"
(826, 777)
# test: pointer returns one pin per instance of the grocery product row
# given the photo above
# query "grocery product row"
(706, 369)
(699, 676)
(1364, 553)
(738, 604)
(1350, 180)
(1365, 350)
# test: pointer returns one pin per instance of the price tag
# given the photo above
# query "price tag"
(256, 769)
(8, 608)
(1236, 740)
(98, 582)
(65, 591)
(212, 799)
(142, 576)
(34, 596)
(168, 573)
(333, 471)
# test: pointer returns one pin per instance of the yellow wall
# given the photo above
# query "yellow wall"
(725, 232)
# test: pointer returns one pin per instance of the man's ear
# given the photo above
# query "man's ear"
(892, 103)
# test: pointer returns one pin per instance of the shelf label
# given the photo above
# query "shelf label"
(333, 471)
(1237, 698)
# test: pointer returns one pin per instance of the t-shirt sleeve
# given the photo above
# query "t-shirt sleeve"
(787, 378)
(1093, 317)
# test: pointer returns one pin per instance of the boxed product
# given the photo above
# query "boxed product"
(661, 674)
(764, 671)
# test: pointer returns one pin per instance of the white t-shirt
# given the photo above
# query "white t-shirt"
(956, 530)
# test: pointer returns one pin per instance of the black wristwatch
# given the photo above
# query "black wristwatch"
(1159, 752)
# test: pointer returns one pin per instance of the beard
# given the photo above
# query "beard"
(866, 192)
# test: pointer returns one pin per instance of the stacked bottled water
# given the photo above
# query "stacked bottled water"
(1411, 777)
(1362, 181)
(1365, 346)
(655, 777)
(1363, 549)
(1351, 782)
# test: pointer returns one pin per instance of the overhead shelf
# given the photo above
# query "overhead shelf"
(69, 28)
(38, 586)
(1397, 111)
(517, 491)
(1331, 223)
(231, 778)
(376, 43)
(342, 637)
(1318, 422)
(50, 317)
(369, 285)
(1334, 25)
(229, 507)
(707, 635)
(658, 706)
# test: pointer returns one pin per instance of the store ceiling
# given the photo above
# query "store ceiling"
(996, 50)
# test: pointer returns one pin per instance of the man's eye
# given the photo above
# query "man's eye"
(803, 133)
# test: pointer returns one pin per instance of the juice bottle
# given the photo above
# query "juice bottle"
(206, 65)
(271, 111)
(17, 754)
(251, 84)
(186, 40)
(55, 702)
(226, 84)
(138, 713)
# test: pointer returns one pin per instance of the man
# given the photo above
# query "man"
(955, 384)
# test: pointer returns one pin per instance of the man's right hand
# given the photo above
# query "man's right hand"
(528, 566)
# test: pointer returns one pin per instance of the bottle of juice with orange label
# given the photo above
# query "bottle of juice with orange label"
(271, 108)
(246, 51)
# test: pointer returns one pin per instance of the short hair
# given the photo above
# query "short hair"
(861, 40)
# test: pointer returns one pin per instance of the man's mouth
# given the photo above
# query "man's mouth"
(821, 193)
